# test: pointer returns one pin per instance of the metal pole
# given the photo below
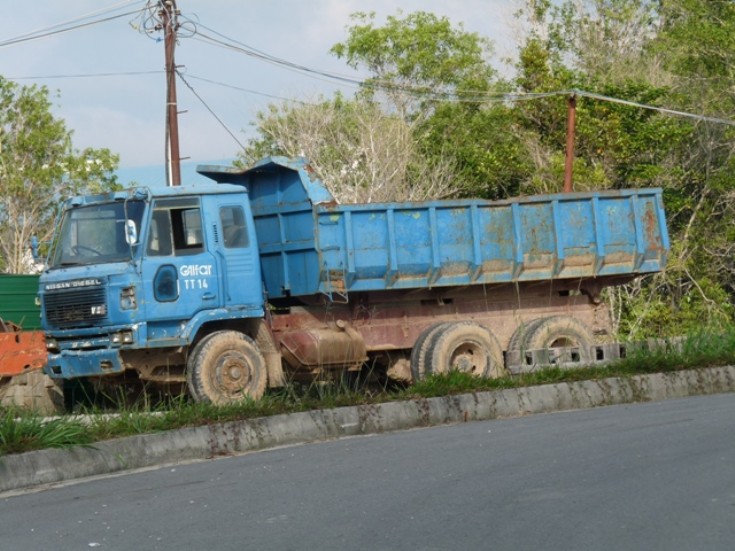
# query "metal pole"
(569, 165)
(173, 160)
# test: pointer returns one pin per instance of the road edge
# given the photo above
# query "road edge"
(44, 467)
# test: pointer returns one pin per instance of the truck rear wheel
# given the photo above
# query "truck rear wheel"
(518, 344)
(554, 332)
(421, 348)
(226, 367)
(466, 347)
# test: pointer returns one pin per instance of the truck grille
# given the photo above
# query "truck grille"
(75, 307)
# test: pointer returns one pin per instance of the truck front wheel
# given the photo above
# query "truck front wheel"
(226, 367)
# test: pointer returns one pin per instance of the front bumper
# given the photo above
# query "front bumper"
(70, 364)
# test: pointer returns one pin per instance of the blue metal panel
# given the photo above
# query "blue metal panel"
(81, 363)
(310, 245)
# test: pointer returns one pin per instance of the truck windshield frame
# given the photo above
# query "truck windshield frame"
(96, 234)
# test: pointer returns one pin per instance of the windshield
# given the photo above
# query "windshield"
(97, 233)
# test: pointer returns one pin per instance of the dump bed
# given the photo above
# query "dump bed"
(311, 245)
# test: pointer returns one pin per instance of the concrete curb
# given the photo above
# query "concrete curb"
(57, 465)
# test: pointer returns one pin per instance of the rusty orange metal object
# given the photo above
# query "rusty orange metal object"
(20, 351)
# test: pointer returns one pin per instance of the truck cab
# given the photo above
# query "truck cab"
(135, 278)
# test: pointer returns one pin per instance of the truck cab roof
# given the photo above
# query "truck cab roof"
(150, 192)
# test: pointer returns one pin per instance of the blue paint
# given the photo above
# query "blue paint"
(308, 244)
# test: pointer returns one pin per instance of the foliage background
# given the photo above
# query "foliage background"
(436, 119)
(39, 167)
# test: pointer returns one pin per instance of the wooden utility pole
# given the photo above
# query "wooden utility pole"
(569, 164)
(169, 20)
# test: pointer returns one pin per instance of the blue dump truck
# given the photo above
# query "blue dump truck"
(261, 277)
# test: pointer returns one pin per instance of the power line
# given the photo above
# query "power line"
(101, 11)
(674, 112)
(89, 75)
(54, 31)
(151, 21)
(465, 96)
(240, 47)
(208, 108)
(459, 96)
(499, 98)
(247, 90)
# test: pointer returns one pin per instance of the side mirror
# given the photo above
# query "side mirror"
(131, 232)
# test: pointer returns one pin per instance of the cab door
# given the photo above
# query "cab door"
(179, 270)
(237, 253)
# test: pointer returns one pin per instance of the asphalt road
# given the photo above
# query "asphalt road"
(645, 476)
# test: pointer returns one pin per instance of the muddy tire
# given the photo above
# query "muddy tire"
(466, 347)
(226, 367)
(518, 340)
(559, 332)
(421, 348)
(33, 391)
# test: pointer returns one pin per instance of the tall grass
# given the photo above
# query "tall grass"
(24, 431)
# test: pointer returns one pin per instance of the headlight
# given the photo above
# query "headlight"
(52, 346)
(123, 337)
(128, 300)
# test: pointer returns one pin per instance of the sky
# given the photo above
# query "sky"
(125, 110)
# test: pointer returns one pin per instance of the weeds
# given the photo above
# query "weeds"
(22, 431)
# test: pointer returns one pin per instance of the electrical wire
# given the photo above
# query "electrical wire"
(101, 11)
(313, 73)
(90, 75)
(461, 96)
(664, 110)
(150, 21)
(208, 108)
(466, 96)
(28, 37)
(247, 90)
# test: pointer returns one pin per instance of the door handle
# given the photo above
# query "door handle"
(209, 296)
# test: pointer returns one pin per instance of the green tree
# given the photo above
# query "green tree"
(485, 144)
(361, 153)
(659, 54)
(677, 54)
(383, 144)
(417, 60)
(695, 43)
(38, 167)
(438, 76)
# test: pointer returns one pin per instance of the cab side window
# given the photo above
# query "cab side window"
(159, 240)
(234, 231)
(176, 228)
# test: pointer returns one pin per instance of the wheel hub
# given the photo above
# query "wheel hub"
(233, 375)
(469, 358)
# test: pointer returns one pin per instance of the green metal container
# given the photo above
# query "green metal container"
(18, 300)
